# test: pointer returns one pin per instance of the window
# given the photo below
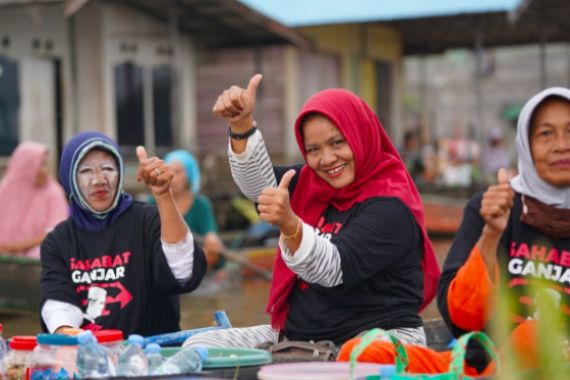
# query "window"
(135, 88)
(9, 105)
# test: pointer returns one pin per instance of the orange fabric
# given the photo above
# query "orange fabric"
(470, 294)
(420, 359)
(523, 340)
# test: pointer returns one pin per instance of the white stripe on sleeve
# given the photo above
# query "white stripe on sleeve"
(252, 169)
(316, 261)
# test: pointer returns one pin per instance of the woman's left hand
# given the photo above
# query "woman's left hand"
(155, 173)
(274, 207)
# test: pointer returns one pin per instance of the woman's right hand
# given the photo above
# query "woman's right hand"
(237, 104)
(497, 203)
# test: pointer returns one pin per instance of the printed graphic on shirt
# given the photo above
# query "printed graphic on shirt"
(536, 263)
(98, 283)
(327, 230)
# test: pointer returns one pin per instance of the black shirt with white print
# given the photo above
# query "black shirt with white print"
(380, 246)
(119, 276)
(531, 263)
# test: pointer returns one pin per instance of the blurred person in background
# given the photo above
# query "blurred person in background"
(196, 208)
(412, 157)
(32, 203)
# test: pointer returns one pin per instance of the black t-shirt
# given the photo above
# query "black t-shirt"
(380, 246)
(119, 276)
(526, 256)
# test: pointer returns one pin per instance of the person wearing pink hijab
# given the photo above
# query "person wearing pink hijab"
(31, 201)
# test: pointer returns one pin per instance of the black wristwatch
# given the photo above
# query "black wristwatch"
(242, 136)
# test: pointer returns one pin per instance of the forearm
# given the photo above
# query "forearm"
(488, 245)
(316, 260)
(251, 168)
(173, 229)
(58, 314)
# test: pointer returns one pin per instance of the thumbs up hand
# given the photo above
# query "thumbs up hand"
(497, 203)
(154, 172)
(237, 104)
(274, 207)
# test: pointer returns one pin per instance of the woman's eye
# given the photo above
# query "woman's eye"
(338, 142)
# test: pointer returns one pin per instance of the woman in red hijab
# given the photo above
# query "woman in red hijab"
(353, 253)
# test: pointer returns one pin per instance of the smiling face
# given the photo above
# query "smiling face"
(550, 141)
(98, 178)
(328, 152)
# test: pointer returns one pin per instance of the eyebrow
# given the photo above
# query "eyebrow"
(331, 139)
(101, 164)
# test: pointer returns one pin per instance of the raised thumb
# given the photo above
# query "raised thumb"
(141, 153)
(286, 179)
(253, 84)
(502, 177)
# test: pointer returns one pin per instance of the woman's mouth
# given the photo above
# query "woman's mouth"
(336, 171)
(100, 193)
(562, 164)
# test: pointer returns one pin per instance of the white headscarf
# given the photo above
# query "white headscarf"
(528, 181)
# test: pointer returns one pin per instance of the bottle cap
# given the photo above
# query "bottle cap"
(57, 340)
(85, 337)
(152, 348)
(109, 336)
(136, 339)
(23, 342)
(202, 351)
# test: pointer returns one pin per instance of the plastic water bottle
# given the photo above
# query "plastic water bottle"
(188, 359)
(92, 359)
(154, 357)
(132, 361)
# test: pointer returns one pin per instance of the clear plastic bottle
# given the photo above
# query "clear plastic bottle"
(188, 359)
(154, 357)
(54, 356)
(132, 361)
(18, 357)
(92, 359)
(112, 340)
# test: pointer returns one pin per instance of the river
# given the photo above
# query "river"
(244, 305)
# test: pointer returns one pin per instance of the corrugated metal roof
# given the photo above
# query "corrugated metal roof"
(320, 12)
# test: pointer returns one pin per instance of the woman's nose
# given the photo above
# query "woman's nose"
(328, 158)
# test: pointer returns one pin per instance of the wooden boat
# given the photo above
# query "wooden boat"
(19, 282)
(443, 215)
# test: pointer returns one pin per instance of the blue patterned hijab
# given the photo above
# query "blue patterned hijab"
(82, 214)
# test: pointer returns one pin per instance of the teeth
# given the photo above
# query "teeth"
(336, 170)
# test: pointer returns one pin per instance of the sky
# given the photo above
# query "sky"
(295, 13)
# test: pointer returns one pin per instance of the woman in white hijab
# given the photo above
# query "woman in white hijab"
(518, 231)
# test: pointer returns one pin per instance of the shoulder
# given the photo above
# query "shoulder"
(142, 211)
(202, 200)
(386, 208)
(387, 213)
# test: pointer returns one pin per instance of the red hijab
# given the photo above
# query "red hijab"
(379, 171)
